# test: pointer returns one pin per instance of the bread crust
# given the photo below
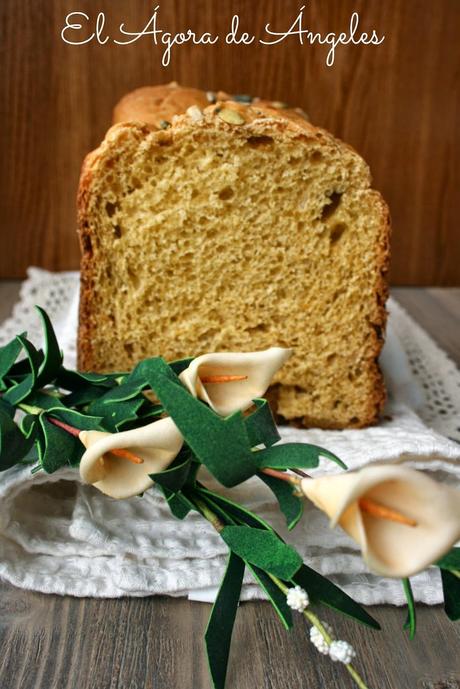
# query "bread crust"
(152, 106)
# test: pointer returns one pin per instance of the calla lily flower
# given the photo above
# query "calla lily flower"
(402, 519)
(152, 448)
(229, 381)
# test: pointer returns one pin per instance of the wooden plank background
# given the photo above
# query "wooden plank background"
(397, 103)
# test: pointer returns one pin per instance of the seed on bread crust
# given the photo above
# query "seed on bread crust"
(231, 116)
(195, 113)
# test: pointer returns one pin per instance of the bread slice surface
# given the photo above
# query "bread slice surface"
(238, 228)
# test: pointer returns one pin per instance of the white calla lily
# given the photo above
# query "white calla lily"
(402, 519)
(242, 377)
(155, 445)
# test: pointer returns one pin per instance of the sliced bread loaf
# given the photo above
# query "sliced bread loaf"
(237, 227)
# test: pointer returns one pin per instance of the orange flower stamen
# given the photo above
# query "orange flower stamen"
(222, 379)
(383, 512)
(126, 454)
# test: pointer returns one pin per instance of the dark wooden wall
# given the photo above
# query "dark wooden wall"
(397, 103)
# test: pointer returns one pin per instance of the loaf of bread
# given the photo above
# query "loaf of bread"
(209, 224)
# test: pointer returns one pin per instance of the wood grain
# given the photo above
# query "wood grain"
(54, 642)
(397, 103)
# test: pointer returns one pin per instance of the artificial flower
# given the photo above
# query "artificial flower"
(140, 452)
(229, 381)
(402, 519)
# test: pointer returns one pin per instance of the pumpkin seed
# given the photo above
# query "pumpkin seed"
(231, 116)
(243, 98)
(194, 113)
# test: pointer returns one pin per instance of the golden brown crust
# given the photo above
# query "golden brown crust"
(158, 105)
(155, 105)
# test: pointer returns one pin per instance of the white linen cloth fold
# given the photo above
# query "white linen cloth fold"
(59, 536)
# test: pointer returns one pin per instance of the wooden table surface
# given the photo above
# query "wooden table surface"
(53, 642)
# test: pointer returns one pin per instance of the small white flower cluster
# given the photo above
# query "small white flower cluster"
(297, 599)
(342, 652)
(338, 651)
(318, 640)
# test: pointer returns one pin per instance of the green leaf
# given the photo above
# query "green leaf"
(451, 560)
(264, 549)
(290, 505)
(57, 447)
(13, 444)
(8, 355)
(75, 380)
(41, 399)
(7, 408)
(180, 365)
(20, 391)
(411, 621)
(221, 444)
(178, 503)
(30, 426)
(84, 422)
(260, 425)
(294, 456)
(324, 591)
(451, 590)
(288, 456)
(115, 415)
(82, 396)
(229, 512)
(123, 392)
(52, 361)
(235, 510)
(218, 633)
(276, 597)
(176, 475)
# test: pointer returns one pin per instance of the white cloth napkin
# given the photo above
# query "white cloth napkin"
(59, 536)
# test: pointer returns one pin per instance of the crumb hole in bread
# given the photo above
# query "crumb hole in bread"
(133, 277)
(256, 141)
(354, 420)
(117, 231)
(259, 328)
(338, 293)
(330, 358)
(337, 232)
(226, 194)
(87, 246)
(129, 348)
(331, 206)
(316, 157)
(110, 208)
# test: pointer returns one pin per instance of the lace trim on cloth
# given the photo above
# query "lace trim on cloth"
(81, 546)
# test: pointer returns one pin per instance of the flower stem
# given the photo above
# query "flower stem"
(65, 426)
(316, 622)
(29, 409)
(301, 473)
(283, 475)
(209, 514)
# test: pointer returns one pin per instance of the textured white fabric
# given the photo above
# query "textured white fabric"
(71, 539)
